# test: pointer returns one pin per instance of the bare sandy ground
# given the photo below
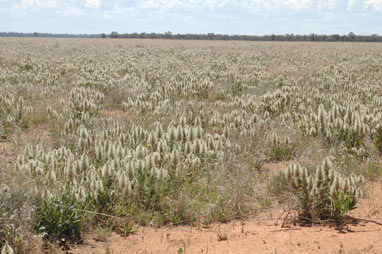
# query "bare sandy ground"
(262, 234)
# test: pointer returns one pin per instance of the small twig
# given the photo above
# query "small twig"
(285, 219)
(367, 220)
(285, 229)
(86, 211)
(291, 208)
(337, 221)
(278, 218)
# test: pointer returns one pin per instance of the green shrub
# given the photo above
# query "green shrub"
(281, 149)
(278, 184)
(280, 153)
(16, 216)
(376, 137)
(325, 193)
(351, 138)
(59, 219)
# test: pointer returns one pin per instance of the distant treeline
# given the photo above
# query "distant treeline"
(351, 37)
(48, 35)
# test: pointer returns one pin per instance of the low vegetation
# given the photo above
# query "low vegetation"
(324, 193)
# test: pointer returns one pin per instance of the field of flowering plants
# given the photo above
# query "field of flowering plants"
(112, 134)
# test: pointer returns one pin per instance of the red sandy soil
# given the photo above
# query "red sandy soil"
(36, 135)
(120, 114)
(262, 234)
(10, 148)
(114, 113)
(275, 167)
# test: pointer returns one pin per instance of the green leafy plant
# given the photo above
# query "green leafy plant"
(351, 138)
(325, 193)
(59, 219)
(102, 234)
(281, 149)
(376, 137)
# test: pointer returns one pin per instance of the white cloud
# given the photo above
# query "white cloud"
(254, 6)
(251, 5)
(329, 5)
(70, 11)
(223, 16)
(297, 4)
(374, 4)
(30, 2)
(190, 4)
(42, 3)
(351, 4)
(92, 3)
(166, 4)
(119, 12)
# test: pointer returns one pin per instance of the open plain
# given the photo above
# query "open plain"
(170, 146)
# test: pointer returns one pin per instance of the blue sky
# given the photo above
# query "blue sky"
(193, 16)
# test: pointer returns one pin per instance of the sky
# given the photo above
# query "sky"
(252, 17)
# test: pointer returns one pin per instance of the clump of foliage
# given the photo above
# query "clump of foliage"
(377, 138)
(281, 149)
(16, 218)
(324, 193)
(59, 219)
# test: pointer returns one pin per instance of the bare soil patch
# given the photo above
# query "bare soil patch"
(36, 134)
(114, 113)
(276, 167)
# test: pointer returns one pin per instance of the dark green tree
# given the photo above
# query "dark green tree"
(114, 34)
